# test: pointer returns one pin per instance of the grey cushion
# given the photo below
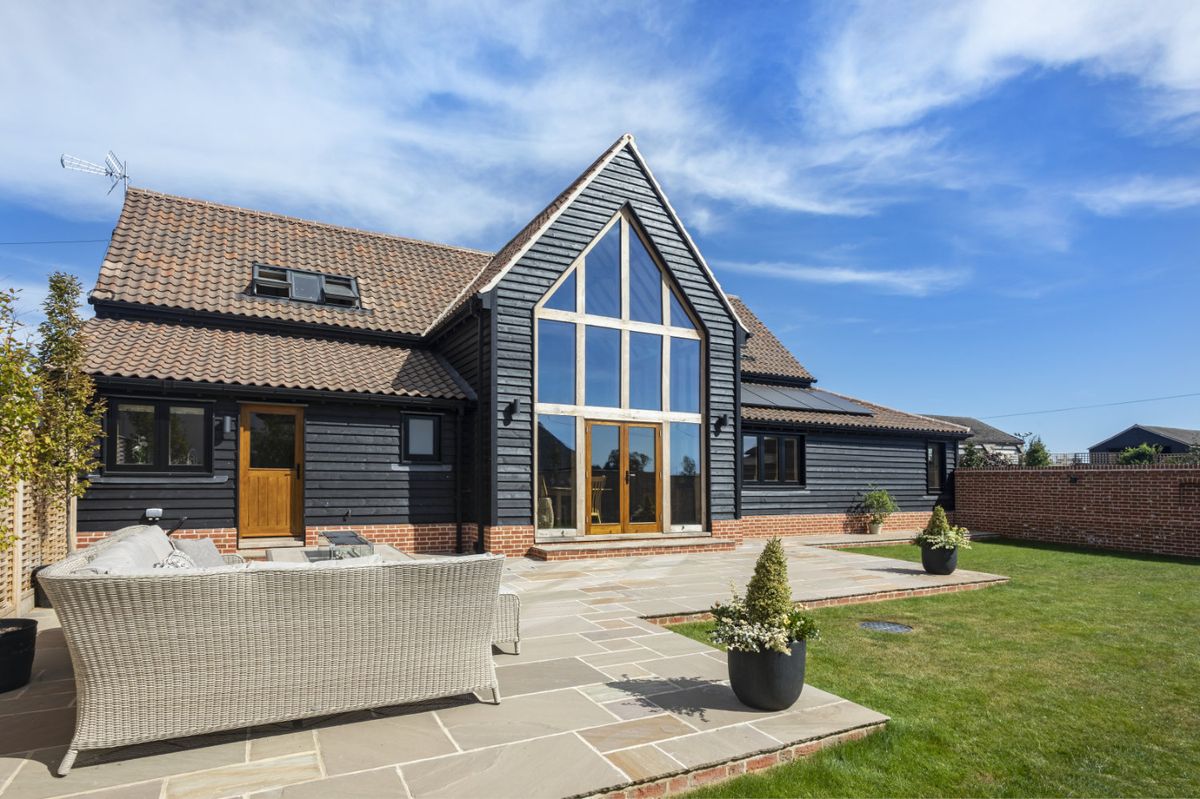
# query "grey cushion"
(202, 551)
(176, 560)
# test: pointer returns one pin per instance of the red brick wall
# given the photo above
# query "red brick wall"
(1132, 509)
(814, 524)
(405, 537)
(513, 541)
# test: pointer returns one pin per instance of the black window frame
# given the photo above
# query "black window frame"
(160, 463)
(801, 440)
(408, 457)
(933, 488)
(267, 282)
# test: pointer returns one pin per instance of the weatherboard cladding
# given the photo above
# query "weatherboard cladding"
(839, 466)
(620, 182)
(352, 463)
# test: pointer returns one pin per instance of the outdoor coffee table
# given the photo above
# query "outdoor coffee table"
(314, 554)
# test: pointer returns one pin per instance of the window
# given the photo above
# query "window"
(645, 371)
(563, 298)
(602, 367)
(602, 266)
(685, 473)
(556, 362)
(679, 317)
(935, 467)
(294, 284)
(645, 284)
(421, 437)
(158, 436)
(685, 374)
(556, 472)
(773, 460)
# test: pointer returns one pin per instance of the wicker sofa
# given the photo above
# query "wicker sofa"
(174, 653)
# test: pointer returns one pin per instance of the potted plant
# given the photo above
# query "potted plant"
(17, 640)
(878, 504)
(940, 542)
(766, 635)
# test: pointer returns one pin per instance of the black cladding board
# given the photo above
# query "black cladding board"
(802, 399)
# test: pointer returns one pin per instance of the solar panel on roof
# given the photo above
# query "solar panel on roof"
(798, 399)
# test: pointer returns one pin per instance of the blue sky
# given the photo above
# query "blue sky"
(974, 209)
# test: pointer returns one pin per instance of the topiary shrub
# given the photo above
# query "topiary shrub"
(1036, 454)
(940, 534)
(766, 619)
(879, 505)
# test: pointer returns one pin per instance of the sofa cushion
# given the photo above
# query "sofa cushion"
(201, 550)
(332, 563)
(178, 559)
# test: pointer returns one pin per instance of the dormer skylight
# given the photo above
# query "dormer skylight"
(295, 284)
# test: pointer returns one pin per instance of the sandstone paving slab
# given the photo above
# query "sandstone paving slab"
(633, 707)
(142, 790)
(643, 762)
(684, 670)
(383, 783)
(610, 635)
(382, 741)
(546, 675)
(674, 644)
(623, 689)
(707, 706)
(280, 739)
(548, 768)
(36, 729)
(626, 671)
(819, 722)
(716, 746)
(622, 645)
(556, 625)
(243, 778)
(625, 734)
(520, 718)
(551, 647)
(111, 767)
(621, 656)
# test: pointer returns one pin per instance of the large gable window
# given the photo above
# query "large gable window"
(295, 284)
(618, 359)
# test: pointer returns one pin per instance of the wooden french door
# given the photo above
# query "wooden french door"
(624, 476)
(270, 471)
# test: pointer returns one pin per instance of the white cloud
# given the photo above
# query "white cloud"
(919, 282)
(892, 64)
(1140, 193)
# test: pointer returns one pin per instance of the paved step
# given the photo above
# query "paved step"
(576, 550)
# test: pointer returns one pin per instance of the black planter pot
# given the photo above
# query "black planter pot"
(768, 680)
(16, 652)
(939, 561)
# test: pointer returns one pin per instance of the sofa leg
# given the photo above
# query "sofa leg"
(67, 761)
(495, 696)
(517, 647)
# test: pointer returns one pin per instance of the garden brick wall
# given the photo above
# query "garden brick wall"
(1153, 510)
(814, 524)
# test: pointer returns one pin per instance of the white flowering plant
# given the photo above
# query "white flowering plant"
(766, 619)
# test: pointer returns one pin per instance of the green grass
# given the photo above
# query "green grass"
(1080, 677)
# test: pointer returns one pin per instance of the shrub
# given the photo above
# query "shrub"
(1036, 453)
(18, 409)
(1142, 453)
(878, 503)
(766, 619)
(940, 534)
(974, 457)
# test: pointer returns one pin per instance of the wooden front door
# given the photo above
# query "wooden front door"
(624, 477)
(271, 471)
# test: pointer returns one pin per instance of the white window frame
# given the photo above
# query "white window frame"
(584, 413)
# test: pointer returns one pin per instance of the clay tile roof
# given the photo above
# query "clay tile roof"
(188, 254)
(161, 351)
(981, 432)
(764, 354)
(881, 418)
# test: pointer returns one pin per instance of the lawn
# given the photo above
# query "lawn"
(1080, 677)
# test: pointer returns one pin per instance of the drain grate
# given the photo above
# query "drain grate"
(885, 627)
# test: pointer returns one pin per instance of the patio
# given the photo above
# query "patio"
(618, 698)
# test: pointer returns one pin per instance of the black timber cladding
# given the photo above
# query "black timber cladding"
(840, 467)
(352, 463)
(621, 182)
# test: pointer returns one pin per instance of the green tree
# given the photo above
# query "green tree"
(69, 427)
(18, 409)
(1142, 453)
(768, 595)
(1036, 453)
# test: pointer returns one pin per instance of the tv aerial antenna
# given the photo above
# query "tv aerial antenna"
(114, 168)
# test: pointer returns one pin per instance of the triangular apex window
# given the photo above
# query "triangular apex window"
(679, 317)
(563, 298)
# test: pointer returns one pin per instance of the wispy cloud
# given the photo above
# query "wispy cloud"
(918, 282)
(892, 65)
(1142, 193)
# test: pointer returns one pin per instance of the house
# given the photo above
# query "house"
(587, 389)
(988, 438)
(1170, 440)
